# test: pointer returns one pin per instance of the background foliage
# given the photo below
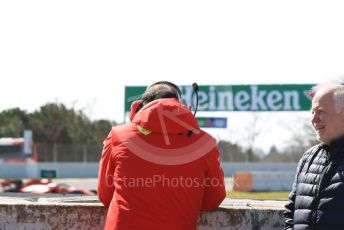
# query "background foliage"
(66, 134)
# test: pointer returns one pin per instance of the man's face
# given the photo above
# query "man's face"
(328, 124)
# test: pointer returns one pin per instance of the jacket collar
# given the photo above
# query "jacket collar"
(336, 147)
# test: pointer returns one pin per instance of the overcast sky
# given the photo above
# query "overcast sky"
(83, 53)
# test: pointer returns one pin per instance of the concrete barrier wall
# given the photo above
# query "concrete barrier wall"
(273, 181)
(90, 170)
(249, 181)
(230, 167)
(85, 212)
(63, 170)
(12, 170)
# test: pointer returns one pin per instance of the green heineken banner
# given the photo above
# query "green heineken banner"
(290, 97)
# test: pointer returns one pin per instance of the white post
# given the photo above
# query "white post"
(27, 147)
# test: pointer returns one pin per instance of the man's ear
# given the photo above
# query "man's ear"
(134, 108)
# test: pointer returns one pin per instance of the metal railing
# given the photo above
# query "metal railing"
(59, 152)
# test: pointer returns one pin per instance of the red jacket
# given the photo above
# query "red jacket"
(160, 170)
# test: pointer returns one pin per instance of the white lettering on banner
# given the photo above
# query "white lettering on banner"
(288, 96)
(187, 95)
(274, 100)
(202, 101)
(257, 99)
(241, 99)
(212, 98)
(223, 98)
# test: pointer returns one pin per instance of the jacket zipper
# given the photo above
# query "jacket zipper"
(317, 193)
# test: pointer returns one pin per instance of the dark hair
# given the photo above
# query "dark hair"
(160, 89)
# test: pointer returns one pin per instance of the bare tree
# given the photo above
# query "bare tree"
(302, 137)
(250, 133)
(230, 151)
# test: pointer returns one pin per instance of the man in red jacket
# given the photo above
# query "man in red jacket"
(160, 170)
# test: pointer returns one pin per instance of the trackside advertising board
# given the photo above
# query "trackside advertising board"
(278, 97)
(212, 122)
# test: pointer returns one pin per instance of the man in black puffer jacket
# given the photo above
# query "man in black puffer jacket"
(317, 197)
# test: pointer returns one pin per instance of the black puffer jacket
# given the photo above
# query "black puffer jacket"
(317, 198)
